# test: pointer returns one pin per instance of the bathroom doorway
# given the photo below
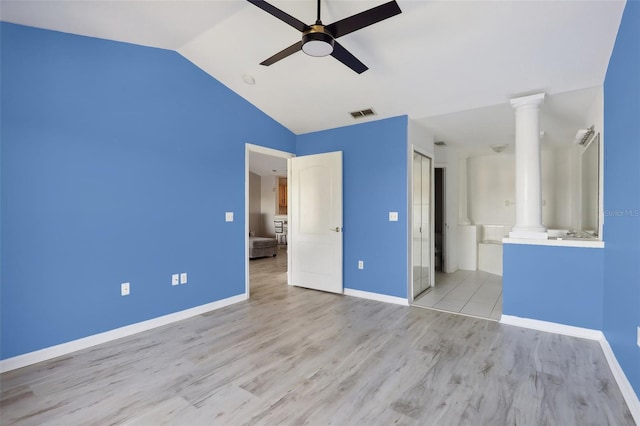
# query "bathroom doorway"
(440, 227)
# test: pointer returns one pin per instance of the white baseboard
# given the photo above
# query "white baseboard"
(623, 383)
(552, 327)
(376, 296)
(96, 339)
(626, 389)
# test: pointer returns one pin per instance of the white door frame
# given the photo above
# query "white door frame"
(429, 155)
(267, 151)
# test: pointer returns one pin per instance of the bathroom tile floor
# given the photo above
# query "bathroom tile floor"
(472, 293)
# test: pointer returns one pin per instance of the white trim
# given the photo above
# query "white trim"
(269, 151)
(626, 389)
(552, 327)
(558, 243)
(376, 296)
(628, 393)
(117, 333)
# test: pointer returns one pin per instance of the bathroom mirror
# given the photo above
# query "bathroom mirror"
(591, 187)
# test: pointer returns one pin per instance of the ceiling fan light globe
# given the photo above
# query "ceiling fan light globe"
(317, 44)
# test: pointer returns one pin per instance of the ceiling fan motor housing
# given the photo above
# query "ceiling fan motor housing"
(317, 41)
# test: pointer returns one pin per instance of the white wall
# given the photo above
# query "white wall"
(491, 186)
(595, 115)
(491, 182)
(255, 221)
(419, 137)
(268, 193)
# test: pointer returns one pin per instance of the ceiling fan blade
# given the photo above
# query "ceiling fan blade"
(283, 16)
(363, 19)
(343, 55)
(283, 54)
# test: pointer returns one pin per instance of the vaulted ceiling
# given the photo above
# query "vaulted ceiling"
(435, 60)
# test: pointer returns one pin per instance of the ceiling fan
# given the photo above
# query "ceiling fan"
(320, 40)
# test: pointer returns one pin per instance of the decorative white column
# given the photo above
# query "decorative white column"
(528, 169)
(463, 212)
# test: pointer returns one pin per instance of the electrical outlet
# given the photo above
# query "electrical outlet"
(360, 264)
(124, 289)
(228, 216)
(183, 278)
(175, 279)
(638, 336)
(393, 216)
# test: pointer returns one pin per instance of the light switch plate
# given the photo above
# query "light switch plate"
(638, 336)
(228, 216)
(360, 264)
(175, 279)
(393, 216)
(183, 278)
(124, 289)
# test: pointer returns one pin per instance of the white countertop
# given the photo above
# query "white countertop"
(582, 242)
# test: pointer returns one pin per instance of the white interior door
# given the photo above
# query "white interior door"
(315, 228)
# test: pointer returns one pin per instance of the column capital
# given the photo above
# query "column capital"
(532, 100)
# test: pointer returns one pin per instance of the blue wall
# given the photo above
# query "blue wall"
(118, 163)
(374, 183)
(622, 195)
(555, 284)
(593, 288)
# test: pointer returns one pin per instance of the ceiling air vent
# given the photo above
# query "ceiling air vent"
(440, 143)
(364, 113)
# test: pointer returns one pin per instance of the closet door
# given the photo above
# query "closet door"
(425, 228)
(421, 232)
(417, 225)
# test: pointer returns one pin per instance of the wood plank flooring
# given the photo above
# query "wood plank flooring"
(291, 356)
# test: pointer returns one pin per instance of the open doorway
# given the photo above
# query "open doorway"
(266, 216)
(440, 228)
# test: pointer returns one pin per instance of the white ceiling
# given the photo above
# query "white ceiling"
(452, 65)
(475, 131)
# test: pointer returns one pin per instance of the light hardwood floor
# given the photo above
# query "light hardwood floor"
(295, 356)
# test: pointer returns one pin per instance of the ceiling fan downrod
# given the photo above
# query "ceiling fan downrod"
(318, 21)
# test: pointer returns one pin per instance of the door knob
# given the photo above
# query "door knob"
(337, 229)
